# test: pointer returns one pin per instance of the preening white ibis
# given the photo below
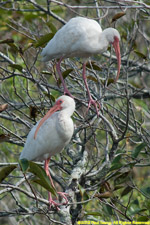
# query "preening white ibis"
(81, 37)
(50, 135)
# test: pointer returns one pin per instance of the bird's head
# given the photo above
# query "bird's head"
(64, 102)
(113, 37)
(111, 34)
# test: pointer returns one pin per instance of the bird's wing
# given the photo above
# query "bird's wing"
(73, 39)
(46, 142)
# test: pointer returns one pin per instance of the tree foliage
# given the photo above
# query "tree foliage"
(105, 168)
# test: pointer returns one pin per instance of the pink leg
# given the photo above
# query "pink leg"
(91, 101)
(46, 167)
(66, 91)
(51, 201)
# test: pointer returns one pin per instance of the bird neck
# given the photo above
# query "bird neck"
(67, 112)
(103, 42)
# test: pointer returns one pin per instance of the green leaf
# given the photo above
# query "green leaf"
(5, 171)
(57, 10)
(92, 78)
(14, 47)
(52, 27)
(137, 150)
(43, 40)
(117, 16)
(30, 16)
(45, 185)
(116, 159)
(65, 74)
(136, 202)
(121, 178)
(41, 174)
(16, 66)
(143, 218)
(110, 81)
(11, 43)
(136, 211)
(126, 191)
(93, 66)
(81, 189)
(108, 210)
(117, 187)
(37, 170)
(146, 191)
(83, 193)
(85, 196)
(7, 41)
(140, 54)
(132, 164)
(24, 164)
(116, 166)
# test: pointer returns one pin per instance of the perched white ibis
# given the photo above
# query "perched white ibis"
(81, 37)
(50, 135)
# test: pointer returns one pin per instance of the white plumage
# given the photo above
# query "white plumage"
(81, 37)
(53, 135)
(50, 135)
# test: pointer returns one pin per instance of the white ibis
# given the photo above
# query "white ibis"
(81, 37)
(50, 135)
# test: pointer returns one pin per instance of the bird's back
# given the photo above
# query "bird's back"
(79, 37)
(51, 138)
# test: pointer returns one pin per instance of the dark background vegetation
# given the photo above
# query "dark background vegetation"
(105, 168)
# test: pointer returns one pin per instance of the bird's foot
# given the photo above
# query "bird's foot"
(54, 204)
(63, 195)
(96, 105)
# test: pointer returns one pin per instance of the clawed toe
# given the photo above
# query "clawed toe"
(63, 195)
(96, 105)
(56, 205)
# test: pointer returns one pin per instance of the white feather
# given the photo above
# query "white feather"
(54, 134)
(80, 37)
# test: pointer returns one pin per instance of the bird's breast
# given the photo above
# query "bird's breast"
(65, 128)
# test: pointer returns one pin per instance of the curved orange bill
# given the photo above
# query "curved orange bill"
(48, 114)
(117, 51)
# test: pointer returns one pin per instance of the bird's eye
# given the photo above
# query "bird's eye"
(59, 102)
